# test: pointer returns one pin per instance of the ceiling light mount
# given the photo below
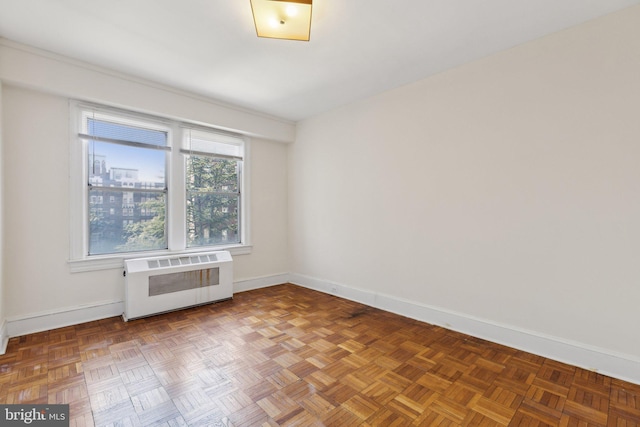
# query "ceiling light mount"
(282, 19)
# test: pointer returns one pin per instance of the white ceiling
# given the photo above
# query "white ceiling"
(358, 47)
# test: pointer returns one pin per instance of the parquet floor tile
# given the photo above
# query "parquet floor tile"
(289, 356)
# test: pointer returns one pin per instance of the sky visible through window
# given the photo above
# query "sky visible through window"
(150, 164)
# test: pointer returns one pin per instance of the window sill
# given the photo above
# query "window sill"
(109, 262)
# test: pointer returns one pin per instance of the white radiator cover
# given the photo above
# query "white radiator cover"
(160, 284)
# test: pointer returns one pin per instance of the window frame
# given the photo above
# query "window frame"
(176, 215)
(126, 187)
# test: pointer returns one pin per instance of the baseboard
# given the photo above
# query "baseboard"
(45, 321)
(61, 318)
(260, 282)
(621, 366)
(4, 338)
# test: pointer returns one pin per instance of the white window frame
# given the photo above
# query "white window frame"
(79, 259)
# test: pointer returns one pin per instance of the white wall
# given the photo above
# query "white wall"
(2, 297)
(505, 191)
(37, 277)
(40, 292)
(269, 216)
(26, 66)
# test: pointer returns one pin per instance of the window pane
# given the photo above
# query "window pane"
(126, 221)
(114, 165)
(212, 219)
(211, 174)
(123, 132)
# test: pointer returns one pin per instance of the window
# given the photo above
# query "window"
(169, 186)
(213, 182)
(122, 154)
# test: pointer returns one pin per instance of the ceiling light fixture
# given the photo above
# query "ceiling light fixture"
(282, 19)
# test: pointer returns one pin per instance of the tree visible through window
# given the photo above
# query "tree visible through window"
(213, 198)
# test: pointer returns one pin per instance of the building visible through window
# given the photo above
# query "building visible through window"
(126, 168)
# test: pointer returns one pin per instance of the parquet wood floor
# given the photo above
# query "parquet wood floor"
(290, 356)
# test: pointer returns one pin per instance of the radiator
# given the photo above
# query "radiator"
(160, 284)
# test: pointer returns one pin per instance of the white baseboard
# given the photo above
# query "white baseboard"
(4, 337)
(260, 282)
(621, 366)
(54, 319)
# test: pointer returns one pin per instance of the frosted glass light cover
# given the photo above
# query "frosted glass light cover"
(278, 19)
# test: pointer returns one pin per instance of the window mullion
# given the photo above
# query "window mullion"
(86, 137)
(177, 202)
(132, 189)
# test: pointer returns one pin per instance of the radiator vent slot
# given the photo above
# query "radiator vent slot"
(161, 284)
(183, 260)
(183, 281)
